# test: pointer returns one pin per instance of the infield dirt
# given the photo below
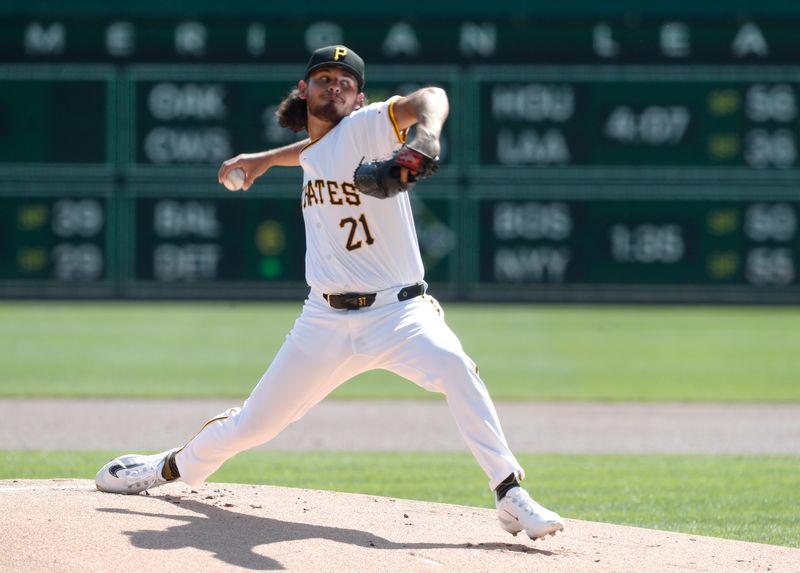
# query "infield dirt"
(66, 526)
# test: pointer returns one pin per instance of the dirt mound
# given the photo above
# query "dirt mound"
(66, 525)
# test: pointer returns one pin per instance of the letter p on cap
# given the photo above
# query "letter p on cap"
(339, 52)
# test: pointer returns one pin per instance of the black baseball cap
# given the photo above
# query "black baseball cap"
(339, 56)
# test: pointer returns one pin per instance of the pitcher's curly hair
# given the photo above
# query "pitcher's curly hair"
(292, 112)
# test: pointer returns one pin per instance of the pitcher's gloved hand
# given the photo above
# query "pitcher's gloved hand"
(384, 179)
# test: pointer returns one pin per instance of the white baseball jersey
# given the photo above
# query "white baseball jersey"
(354, 242)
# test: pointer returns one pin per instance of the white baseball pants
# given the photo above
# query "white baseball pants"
(326, 348)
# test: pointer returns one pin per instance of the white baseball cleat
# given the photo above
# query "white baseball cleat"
(518, 512)
(132, 473)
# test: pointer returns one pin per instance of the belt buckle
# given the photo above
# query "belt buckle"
(356, 301)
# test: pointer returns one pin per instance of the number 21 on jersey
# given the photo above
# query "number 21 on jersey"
(353, 242)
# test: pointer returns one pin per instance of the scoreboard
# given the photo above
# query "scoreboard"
(49, 241)
(203, 242)
(593, 245)
(52, 118)
(186, 120)
(616, 157)
(632, 118)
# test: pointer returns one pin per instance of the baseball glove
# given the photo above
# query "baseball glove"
(381, 179)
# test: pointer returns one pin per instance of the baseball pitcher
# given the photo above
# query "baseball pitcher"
(367, 307)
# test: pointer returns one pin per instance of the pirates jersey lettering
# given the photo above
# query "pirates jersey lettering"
(314, 193)
(356, 243)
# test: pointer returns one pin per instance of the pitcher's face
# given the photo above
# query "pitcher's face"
(331, 94)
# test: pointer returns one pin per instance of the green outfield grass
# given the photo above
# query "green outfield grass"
(751, 498)
(524, 351)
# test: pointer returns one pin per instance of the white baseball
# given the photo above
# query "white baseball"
(234, 180)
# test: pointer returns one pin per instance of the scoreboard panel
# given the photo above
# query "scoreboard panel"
(504, 36)
(198, 239)
(56, 118)
(591, 154)
(633, 244)
(624, 119)
(189, 120)
(60, 243)
(214, 241)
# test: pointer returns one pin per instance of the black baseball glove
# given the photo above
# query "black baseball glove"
(381, 179)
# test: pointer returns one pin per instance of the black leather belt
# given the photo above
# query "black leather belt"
(356, 300)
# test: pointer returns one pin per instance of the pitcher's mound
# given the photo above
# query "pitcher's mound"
(66, 525)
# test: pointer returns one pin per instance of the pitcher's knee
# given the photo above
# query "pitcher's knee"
(224, 417)
(453, 369)
(256, 428)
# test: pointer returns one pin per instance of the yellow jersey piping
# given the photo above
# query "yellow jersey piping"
(310, 143)
(400, 134)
